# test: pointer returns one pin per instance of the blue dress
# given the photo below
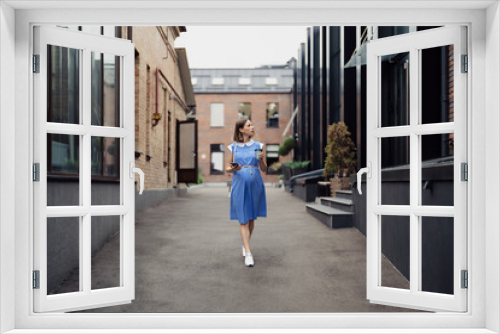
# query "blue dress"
(248, 194)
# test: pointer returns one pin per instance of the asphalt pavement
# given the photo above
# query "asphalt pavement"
(188, 259)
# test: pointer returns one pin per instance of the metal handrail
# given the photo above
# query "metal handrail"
(303, 175)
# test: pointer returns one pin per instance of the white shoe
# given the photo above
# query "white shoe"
(243, 250)
(249, 260)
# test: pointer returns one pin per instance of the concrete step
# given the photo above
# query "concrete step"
(331, 217)
(347, 194)
(338, 203)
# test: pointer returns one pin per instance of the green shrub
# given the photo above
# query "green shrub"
(340, 151)
(275, 166)
(200, 177)
(296, 164)
(288, 144)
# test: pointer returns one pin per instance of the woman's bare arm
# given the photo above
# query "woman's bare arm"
(229, 158)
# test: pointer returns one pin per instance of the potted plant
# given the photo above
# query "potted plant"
(288, 144)
(275, 167)
(299, 167)
(340, 156)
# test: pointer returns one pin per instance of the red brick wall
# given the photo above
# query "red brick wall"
(224, 135)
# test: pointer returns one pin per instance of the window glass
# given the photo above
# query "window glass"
(216, 114)
(105, 89)
(244, 110)
(244, 81)
(272, 112)
(272, 157)
(395, 89)
(63, 105)
(217, 81)
(216, 159)
(271, 81)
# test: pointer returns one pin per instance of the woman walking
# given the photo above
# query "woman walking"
(248, 195)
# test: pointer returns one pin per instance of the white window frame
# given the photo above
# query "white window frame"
(414, 44)
(85, 44)
(212, 116)
(483, 212)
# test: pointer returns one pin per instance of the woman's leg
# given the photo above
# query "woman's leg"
(245, 236)
(250, 227)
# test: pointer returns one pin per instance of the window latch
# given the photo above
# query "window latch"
(134, 170)
(368, 171)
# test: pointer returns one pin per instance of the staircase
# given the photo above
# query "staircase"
(334, 212)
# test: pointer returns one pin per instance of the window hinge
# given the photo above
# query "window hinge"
(36, 279)
(36, 63)
(465, 279)
(465, 63)
(465, 171)
(36, 172)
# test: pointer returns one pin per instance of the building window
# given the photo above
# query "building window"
(217, 114)
(194, 81)
(244, 110)
(217, 81)
(272, 156)
(216, 159)
(271, 81)
(63, 107)
(244, 81)
(272, 115)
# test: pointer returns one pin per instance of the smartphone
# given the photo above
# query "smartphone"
(234, 164)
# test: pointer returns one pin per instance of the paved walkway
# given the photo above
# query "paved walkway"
(188, 259)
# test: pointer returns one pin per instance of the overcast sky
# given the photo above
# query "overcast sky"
(240, 47)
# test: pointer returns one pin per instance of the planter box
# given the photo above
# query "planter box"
(298, 171)
(339, 183)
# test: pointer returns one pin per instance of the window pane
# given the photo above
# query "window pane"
(437, 84)
(105, 234)
(395, 89)
(63, 255)
(216, 114)
(437, 254)
(272, 112)
(105, 164)
(217, 81)
(105, 89)
(271, 81)
(437, 169)
(244, 81)
(395, 257)
(395, 173)
(216, 159)
(63, 102)
(63, 158)
(244, 110)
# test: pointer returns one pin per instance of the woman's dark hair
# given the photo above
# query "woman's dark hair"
(238, 136)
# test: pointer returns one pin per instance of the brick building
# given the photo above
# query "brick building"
(163, 90)
(223, 96)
